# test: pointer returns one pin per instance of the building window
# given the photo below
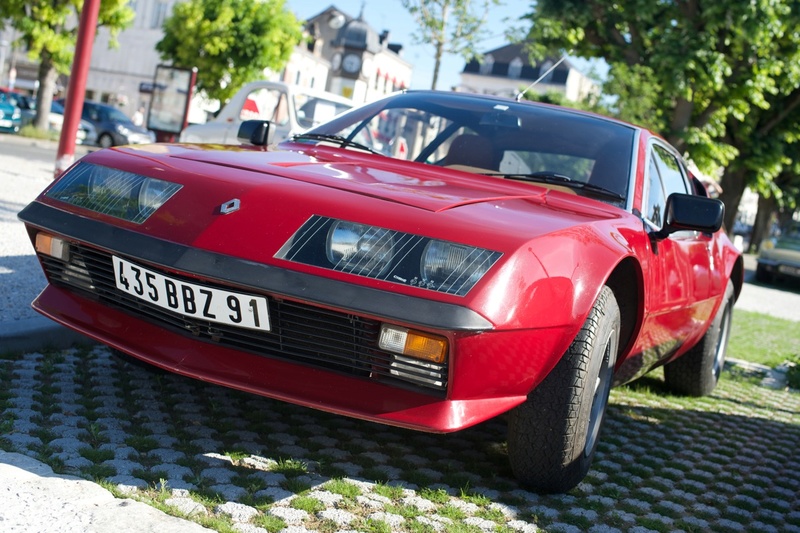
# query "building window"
(547, 65)
(515, 68)
(159, 14)
(487, 64)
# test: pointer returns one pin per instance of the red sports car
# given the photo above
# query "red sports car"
(430, 261)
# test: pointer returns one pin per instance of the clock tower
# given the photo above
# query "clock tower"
(354, 47)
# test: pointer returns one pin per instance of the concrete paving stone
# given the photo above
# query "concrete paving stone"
(173, 471)
(293, 450)
(523, 527)
(21, 441)
(248, 528)
(237, 512)
(393, 520)
(290, 516)
(560, 527)
(334, 453)
(338, 516)
(350, 469)
(259, 463)
(272, 479)
(187, 506)
(279, 496)
(329, 499)
(123, 466)
(218, 474)
(127, 484)
(68, 445)
(228, 492)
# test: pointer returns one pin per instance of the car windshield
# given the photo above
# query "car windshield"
(498, 137)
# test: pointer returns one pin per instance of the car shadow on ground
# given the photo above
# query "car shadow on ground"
(685, 463)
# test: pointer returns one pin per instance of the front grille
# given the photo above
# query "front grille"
(300, 332)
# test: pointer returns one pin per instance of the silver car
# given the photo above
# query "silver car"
(780, 257)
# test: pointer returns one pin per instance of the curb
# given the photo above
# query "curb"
(38, 333)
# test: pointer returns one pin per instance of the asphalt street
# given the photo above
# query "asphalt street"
(36, 499)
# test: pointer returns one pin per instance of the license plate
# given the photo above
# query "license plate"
(190, 299)
(786, 269)
(6, 123)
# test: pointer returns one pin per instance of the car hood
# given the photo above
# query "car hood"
(421, 186)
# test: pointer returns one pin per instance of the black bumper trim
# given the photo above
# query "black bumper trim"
(223, 268)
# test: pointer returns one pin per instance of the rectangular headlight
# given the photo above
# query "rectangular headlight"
(113, 192)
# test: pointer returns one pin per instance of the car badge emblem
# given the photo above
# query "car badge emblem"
(229, 206)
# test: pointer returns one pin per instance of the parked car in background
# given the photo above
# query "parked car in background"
(779, 256)
(289, 108)
(86, 133)
(500, 257)
(10, 113)
(113, 127)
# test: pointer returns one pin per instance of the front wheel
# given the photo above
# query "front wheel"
(552, 437)
(697, 372)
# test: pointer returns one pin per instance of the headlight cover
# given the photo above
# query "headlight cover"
(450, 266)
(388, 255)
(113, 192)
(359, 248)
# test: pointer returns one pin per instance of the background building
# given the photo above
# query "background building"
(343, 55)
(507, 70)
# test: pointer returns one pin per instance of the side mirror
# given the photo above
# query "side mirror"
(686, 212)
(255, 132)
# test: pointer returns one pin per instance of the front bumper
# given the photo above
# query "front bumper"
(323, 352)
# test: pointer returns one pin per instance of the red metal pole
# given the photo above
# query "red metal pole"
(77, 85)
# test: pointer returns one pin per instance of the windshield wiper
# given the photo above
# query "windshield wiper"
(344, 142)
(554, 178)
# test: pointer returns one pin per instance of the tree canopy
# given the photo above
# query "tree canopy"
(451, 26)
(230, 42)
(720, 79)
(49, 30)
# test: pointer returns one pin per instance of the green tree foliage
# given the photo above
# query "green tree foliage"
(230, 42)
(720, 79)
(451, 26)
(48, 30)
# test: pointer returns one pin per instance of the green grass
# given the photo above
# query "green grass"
(763, 339)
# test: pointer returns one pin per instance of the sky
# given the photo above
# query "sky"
(391, 15)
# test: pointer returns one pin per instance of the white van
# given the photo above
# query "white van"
(290, 108)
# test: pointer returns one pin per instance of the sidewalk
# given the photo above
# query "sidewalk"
(21, 277)
(34, 498)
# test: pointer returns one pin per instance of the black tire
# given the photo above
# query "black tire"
(105, 141)
(552, 437)
(697, 372)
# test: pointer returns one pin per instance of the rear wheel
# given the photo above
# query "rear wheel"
(553, 435)
(697, 372)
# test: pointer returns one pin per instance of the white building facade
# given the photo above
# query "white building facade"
(507, 70)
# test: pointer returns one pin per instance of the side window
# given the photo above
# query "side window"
(671, 173)
(665, 176)
(656, 199)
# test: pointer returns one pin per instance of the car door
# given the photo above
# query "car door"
(679, 269)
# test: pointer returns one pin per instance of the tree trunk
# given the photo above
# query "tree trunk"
(733, 184)
(44, 96)
(763, 221)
